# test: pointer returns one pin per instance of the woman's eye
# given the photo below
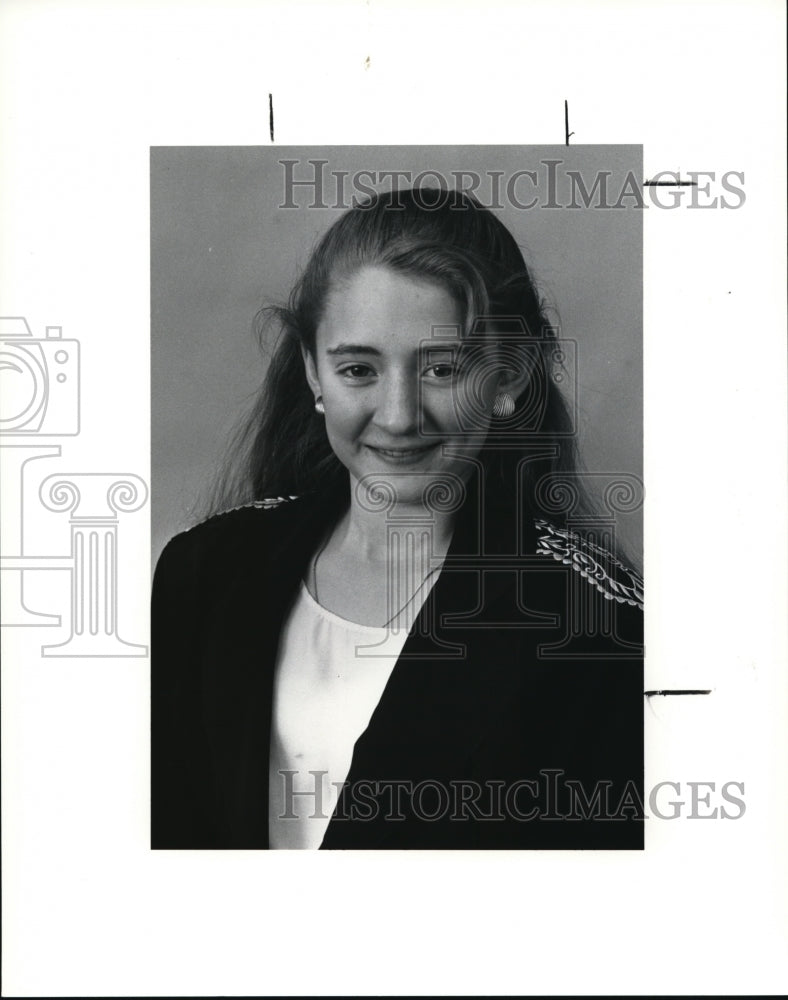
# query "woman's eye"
(356, 371)
(442, 372)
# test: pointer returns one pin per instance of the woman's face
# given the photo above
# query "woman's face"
(395, 398)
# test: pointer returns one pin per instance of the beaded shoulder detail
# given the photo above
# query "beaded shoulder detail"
(267, 504)
(614, 580)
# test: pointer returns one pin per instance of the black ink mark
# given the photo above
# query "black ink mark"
(650, 694)
(670, 184)
(271, 115)
(566, 122)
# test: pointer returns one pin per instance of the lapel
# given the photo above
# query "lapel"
(239, 656)
(454, 670)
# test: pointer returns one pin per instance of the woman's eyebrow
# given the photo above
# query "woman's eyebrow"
(353, 349)
(429, 348)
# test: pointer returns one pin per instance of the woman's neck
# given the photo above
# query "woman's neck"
(375, 562)
(372, 533)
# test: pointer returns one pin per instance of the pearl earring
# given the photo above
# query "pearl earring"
(319, 405)
(503, 405)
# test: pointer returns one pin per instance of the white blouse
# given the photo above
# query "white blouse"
(330, 675)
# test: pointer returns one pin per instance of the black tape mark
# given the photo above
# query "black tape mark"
(271, 115)
(566, 122)
(650, 694)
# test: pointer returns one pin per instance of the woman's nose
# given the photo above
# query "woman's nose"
(398, 406)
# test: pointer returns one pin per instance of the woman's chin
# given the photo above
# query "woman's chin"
(383, 487)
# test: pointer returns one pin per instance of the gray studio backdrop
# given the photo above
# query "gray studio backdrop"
(221, 246)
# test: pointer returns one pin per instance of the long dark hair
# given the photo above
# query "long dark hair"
(445, 236)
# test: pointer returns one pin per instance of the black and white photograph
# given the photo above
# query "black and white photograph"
(393, 498)
(406, 621)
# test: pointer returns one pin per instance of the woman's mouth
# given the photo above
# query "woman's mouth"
(402, 456)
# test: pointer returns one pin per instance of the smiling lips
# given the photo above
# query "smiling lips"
(402, 456)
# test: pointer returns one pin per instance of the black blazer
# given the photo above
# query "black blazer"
(512, 719)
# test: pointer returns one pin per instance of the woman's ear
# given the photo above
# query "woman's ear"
(310, 368)
(517, 360)
(514, 379)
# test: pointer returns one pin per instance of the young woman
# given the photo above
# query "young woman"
(385, 643)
